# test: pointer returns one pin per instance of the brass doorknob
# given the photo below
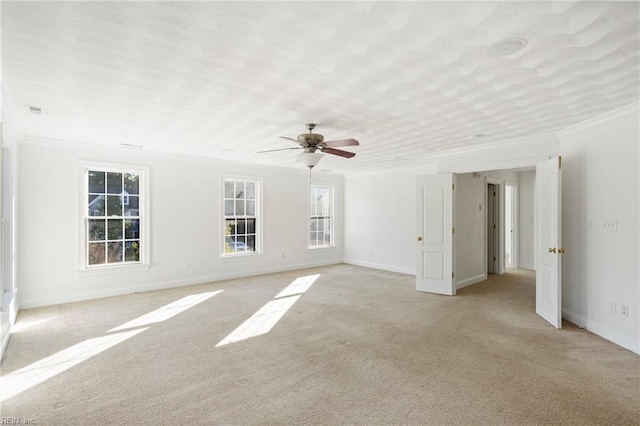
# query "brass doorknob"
(552, 250)
(419, 238)
(561, 250)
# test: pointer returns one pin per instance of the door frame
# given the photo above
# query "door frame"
(515, 213)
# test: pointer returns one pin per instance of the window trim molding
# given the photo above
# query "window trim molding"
(334, 244)
(145, 240)
(224, 177)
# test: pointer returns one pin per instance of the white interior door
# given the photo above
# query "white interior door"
(434, 269)
(548, 241)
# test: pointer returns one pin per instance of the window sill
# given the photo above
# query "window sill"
(322, 248)
(114, 269)
(239, 256)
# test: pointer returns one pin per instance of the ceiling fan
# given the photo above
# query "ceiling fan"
(312, 142)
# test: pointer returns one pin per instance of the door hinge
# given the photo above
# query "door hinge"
(453, 275)
(494, 258)
(560, 163)
(453, 186)
(453, 230)
(494, 226)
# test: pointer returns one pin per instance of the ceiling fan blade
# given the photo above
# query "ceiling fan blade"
(291, 139)
(279, 149)
(341, 153)
(341, 142)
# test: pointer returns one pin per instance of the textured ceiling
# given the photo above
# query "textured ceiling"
(224, 79)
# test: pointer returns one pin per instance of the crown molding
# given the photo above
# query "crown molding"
(633, 108)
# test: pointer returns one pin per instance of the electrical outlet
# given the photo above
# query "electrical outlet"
(624, 311)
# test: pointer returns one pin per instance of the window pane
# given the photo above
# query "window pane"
(114, 183)
(239, 190)
(251, 226)
(228, 190)
(251, 242)
(131, 207)
(240, 208)
(96, 253)
(132, 229)
(96, 205)
(132, 251)
(114, 229)
(228, 207)
(131, 183)
(114, 205)
(251, 208)
(241, 228)
(96, 182)
(96, 230)
(114, 252)
(325, 209)
(314, 225)
(230, 227)
(251, 191)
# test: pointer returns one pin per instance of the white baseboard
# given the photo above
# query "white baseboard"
(604, 332)
(380, 266)
(470, 281)
(78, 297)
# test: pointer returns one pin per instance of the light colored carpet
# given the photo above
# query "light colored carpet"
(360, 346)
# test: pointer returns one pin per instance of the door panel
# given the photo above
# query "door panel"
(435, 234)
(548, 241)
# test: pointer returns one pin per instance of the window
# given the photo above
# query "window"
(113, 231)
(321, 212)
(241, 216)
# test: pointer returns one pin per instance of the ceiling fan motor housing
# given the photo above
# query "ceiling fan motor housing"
(311, 139)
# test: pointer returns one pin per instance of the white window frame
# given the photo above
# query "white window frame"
(257, 216)
(332, 217)
(143, 214)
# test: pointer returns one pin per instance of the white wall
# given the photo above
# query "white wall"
(185, 223)
(11, 132)
(380, 220)
(526, 188)
(470, 225)
(601, 184)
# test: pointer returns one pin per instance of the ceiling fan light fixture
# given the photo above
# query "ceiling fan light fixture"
(310, 159)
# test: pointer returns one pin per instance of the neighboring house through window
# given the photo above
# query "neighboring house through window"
(241, 216)
(322, 217)
(113, 217)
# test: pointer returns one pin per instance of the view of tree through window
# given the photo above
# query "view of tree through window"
(113, 217)
(321, 209)
(240, 216)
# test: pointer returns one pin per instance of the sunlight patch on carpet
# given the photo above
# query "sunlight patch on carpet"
(23, 325)
(298, 286)
(268, 316)
(36, 373)
(262, 321)
(167, 311)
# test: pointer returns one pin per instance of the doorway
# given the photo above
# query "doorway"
(493, 228)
